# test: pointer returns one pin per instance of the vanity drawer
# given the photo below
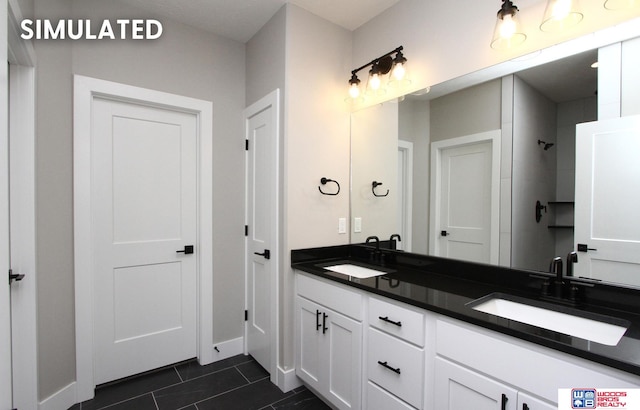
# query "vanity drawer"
(380, 399)
(397, 320)
(396, 366)
(331, 295)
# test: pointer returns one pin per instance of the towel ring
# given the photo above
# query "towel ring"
(376, 184)
(324, 181)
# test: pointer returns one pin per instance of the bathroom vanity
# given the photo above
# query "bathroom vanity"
(385, 329)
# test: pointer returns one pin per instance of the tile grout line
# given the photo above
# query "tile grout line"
(153, 396)
(179, 376)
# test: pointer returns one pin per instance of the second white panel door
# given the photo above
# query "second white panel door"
(144, 221)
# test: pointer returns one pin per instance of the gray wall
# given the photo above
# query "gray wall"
(470, 111)
(183, 61)
(534, 177)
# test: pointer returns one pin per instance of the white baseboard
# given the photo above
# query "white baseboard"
(287, 379)
(227, 349)
(60, 400)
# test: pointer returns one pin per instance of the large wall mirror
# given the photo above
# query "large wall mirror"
(482, 170)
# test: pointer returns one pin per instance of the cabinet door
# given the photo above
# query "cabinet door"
(526, 402)
(309, 354)
(343, 339)
(460, 388)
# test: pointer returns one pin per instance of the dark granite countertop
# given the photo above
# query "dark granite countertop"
(446, 286)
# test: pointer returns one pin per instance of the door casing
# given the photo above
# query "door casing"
(85, 89)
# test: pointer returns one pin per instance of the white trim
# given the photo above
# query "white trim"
(287, 379)
(62, 399)
(270, 100)
(228, 349)
(20, 51)
(85, 89)
(494, 137)
(406, 148)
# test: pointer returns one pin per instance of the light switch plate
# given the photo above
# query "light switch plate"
(357, 224)
(342, 225)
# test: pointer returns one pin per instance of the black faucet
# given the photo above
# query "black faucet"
(391, 239)
(375, 254)
(572, 257)
(556, 267)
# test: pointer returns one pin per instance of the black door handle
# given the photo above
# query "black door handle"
(505, 399)
(583, 247)
(318, 325)
(266, 254)
(444, 233)
(324, 323)
(188, 249)
(15, 276)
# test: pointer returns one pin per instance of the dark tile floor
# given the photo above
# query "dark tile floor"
(235, 383)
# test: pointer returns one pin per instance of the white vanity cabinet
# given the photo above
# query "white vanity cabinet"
(487, 370)
(329, 341)
(468, 389)
(395, 355)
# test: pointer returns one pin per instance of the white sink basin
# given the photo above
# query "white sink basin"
(355, 271)
(600, 329)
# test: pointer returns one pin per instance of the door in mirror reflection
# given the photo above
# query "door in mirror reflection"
(607, 233)
(463, 184)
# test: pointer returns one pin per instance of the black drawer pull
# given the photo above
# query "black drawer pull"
(318, 325)
(505, 399)
(525, 406)
(324, 323)
(386, 319)
(386, 366)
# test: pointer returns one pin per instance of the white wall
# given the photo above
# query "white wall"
(630, 80)
(183, 61)
(374, 157)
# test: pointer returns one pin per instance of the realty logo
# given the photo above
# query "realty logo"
(583, 398)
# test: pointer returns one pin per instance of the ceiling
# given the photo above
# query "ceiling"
(567, 79)
(241, 19)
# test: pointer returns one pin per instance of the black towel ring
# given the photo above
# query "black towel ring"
(324, 181)
(375, 184)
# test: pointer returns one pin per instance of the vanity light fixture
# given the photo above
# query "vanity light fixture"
(560, 15)
(621, 4)
(380, 68)
(507, 32)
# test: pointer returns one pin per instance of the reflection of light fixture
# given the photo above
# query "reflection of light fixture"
(621, 4)
(506, 33)
(595, 64)
(380, 67)
(560, 15)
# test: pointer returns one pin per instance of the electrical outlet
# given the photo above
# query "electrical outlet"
(342, 225)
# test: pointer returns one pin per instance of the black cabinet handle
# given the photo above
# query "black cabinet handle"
(386, 319)
(318, 320)
(324, 323)
(524, 406)
(505, 399)
(386, 366)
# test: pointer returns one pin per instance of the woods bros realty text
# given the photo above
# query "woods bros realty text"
(79, 29)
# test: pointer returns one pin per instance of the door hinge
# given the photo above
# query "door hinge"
(246, 145)
(246, 230)
(246, 315)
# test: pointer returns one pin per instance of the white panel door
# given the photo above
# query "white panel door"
(261, 137)
(144, 196)
(607, 218)
(465, 195)
(5, 305)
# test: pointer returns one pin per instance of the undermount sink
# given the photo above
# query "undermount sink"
(586, 325)
(356, 271)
